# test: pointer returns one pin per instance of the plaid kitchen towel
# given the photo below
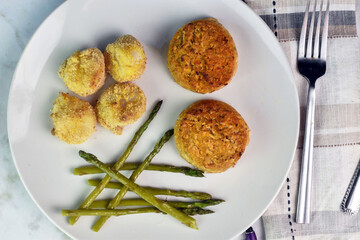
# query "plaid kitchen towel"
(337, 123)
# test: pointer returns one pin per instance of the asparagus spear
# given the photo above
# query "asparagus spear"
(159, 204)
(152, 167)
(120, 212)
(141, 202)
(113, 203)
(92, 196)
(158, 191)
(195, 211)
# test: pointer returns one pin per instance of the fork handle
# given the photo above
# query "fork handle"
(304, 196)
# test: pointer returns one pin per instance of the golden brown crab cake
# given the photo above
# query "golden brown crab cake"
(211, 135)
(119, 105)
(84, 72)
(125, 59)
(74, 119)
(202, 56)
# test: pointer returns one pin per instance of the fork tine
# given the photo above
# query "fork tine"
(317, 34)
(325, 33)
(301, 51)
(311, 32)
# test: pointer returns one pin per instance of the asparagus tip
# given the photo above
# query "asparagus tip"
(157, 106)
(218, 201)
(169, 132)
(194, 173)
(87, 156)
(81, 152)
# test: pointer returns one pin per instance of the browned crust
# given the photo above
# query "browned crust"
(119, 105)
(74, 119)
(211, 135)
(202, 56)
(125, 59)
(84, 72)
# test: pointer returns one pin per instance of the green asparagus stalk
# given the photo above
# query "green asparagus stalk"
(141, 192)
(93, 195)
(141, 202)
(113, 203)
(159, 191)
(121, 212)
(152, 167)
(195, 211)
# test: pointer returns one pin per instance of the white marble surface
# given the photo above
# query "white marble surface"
(20, 218)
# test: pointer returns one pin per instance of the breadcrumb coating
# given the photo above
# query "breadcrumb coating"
(119, 105)
(202, 56)
(125, 59)
(84, 72)
(211, 135)
(74, 119)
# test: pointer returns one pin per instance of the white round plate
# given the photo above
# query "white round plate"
(263, 91)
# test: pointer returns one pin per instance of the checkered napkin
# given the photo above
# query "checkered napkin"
(337, 124)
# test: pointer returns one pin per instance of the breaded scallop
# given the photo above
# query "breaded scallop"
(202, 56)
(125, 59)
(211, 135)
(119, 105)
(74, 119)
(84, 72)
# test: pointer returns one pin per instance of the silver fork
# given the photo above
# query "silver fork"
(311, 65)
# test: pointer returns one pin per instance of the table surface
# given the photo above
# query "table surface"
(19, 216)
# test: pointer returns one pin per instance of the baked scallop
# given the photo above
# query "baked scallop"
(119, 105)
(202, 56)
(211, 135)
(84, 72)
(125, 59)
(74, 119)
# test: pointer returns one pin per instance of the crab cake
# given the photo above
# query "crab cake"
(211, 135)
(74, 119)
(119, 105)
(84, 72)
(202, 56)
(125, 59)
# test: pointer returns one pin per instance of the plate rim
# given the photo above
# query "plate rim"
(27, 46)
